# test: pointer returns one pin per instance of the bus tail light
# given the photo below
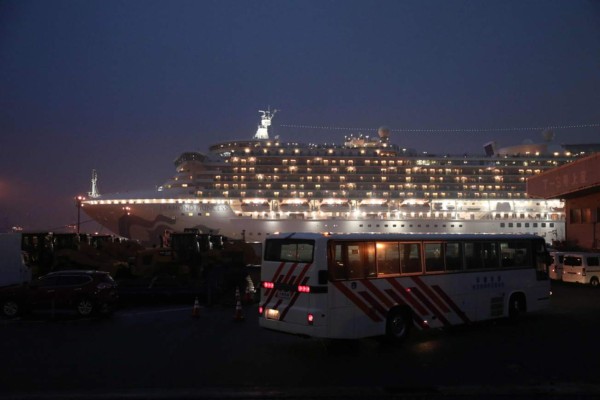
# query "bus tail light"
(310, 318)
(268, 285)
(304, 289)
(261, 310)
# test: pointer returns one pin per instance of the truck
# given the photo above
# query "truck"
(14, 269)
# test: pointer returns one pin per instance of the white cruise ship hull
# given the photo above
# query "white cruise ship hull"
(146, 220)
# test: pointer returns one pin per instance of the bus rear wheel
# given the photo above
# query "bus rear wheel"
(398, 325)
(594, 281)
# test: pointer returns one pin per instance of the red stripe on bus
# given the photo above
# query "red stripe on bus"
(301, 276)
(357, 301)
(292, 269)
(294, 282)
(423, 298)
(293, 300)
(430, 293)
(375, 305)
(277, 271)
(404, 293)
(378, 293)
(451, 303)
(280, 278)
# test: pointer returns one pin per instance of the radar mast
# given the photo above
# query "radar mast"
(94, 192)
(265, 121)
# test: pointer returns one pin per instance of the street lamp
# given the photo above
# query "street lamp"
(78, 201)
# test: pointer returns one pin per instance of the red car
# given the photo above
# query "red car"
(86, 292)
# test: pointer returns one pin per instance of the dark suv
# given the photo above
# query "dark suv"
(83, 291)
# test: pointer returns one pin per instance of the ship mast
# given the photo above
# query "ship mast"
(263, 129)
(94, 192)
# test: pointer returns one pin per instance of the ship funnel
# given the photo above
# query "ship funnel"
(490, 149)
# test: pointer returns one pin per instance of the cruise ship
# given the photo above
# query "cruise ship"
(249, 189)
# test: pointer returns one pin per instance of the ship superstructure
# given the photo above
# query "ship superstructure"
(252, 188)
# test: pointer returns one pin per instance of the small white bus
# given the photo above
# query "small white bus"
(582, 268)
(350, 286)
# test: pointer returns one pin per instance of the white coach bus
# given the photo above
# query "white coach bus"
(358, 285)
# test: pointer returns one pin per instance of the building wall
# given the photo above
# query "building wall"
(578, 184)
(582, 227)
(564, 181)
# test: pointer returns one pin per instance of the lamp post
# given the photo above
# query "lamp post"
(78, 201)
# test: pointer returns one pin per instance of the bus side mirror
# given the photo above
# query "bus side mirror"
(323, 277)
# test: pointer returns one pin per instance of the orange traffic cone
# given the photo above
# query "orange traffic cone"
(196, 309)
(238, 316)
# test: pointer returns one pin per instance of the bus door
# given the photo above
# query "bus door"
(351, 264)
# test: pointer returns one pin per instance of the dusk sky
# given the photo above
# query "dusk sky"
(124, 87)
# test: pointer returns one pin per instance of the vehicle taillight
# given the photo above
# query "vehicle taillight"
(304, 289)
(310, 318)
(268, 285)
(261, 310)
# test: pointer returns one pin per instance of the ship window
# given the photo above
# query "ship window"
(502, 225)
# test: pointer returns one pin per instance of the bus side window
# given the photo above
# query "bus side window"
(410, 258)
(337, 269)
(354, 265)
(370, 267)
(472, 260)
(434, 257)
(388, 258)
(453, 256)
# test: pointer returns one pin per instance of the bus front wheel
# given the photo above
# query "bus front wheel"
(398, 325)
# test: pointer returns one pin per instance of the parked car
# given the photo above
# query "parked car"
(85, 292)
(582, 268)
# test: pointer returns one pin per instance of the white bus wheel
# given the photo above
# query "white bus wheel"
(398, 325)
